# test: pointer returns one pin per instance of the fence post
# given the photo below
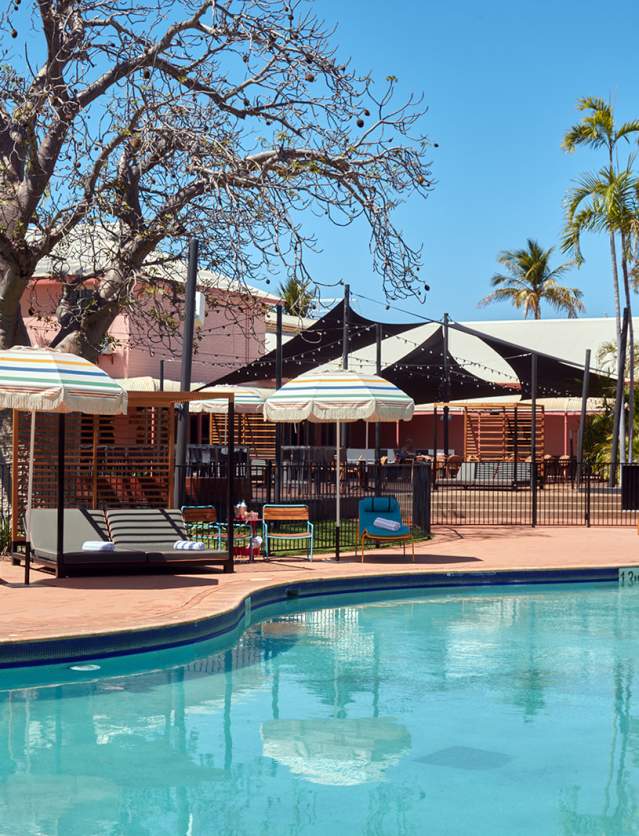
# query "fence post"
(587, 503)
(269, 480)
(533, 440)
(421, 496)
(427, 504)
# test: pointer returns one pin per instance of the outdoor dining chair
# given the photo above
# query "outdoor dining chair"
(292, 515)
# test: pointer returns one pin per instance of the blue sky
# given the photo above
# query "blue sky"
(501, 80)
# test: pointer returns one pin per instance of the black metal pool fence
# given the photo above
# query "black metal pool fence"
(495, 493)
(564, 493)
(314, 484)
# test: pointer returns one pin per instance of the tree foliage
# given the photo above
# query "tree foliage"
(297, 297)
(531, 281)
(229, 121)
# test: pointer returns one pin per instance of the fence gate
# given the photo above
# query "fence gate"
(563, 493)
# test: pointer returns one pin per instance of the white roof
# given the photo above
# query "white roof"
(90, 249)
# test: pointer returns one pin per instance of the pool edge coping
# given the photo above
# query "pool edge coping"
(162, 635)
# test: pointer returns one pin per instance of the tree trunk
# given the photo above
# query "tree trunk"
(83, 330)
(615, 288)
(631, 337)
(615, 284)
(12, 285)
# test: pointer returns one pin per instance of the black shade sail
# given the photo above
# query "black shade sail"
(555, 377)
(319, 344)
(421, 374)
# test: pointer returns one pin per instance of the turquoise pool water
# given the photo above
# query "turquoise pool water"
(488, 711)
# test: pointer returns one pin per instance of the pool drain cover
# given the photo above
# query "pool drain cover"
(84, 667)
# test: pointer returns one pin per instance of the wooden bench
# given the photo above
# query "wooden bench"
(287, 514)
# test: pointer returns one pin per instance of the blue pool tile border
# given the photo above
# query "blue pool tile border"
(79, 648)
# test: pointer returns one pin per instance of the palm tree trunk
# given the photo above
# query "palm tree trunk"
(615, 288)
(631, 337)
(615, 284)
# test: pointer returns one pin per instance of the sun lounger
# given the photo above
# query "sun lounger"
(155, 531)
(374, 510)
(80, 526)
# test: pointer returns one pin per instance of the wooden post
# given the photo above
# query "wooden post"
(94, 463)
(171, 455)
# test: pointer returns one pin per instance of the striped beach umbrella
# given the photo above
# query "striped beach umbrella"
(43, 380)
(338, 396)
(248, 400)
(342, 396)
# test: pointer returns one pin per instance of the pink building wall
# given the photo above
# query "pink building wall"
(560, 430)
(227, 341)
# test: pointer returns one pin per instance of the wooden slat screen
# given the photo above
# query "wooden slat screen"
(251, 431)
(118, 461)
(501, 433)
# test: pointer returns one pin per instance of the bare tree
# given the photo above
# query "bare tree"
(231, 121)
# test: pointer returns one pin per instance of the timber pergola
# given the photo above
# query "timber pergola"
(136, 399)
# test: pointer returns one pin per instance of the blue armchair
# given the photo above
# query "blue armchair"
(373, 508)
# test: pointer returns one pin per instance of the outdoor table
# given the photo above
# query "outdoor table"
(251, 520)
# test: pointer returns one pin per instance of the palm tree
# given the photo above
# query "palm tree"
(531, 281)
(296, 296)
(597, 130)
(608, 202)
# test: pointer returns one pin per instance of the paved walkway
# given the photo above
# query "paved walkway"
(84, 606)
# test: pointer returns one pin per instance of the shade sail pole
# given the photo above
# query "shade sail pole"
(230, 483)
(378, 426)
(533, 439)
(185, 379)
(278, 385)
(338, 431)
(61, 457)
(446, 385)
(582, 417)
(338, 504)
(30, 477)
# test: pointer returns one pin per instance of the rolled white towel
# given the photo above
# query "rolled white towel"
(389, 525)
(189, 545)
(98, 546)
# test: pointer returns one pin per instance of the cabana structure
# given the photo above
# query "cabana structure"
(112, 461)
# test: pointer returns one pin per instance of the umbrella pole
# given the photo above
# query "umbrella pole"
(337, 487)
(61, 455)
(27, 556)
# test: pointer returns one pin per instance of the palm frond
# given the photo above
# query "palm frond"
(627, 129)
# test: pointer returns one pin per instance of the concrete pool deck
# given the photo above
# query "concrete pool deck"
(93, 606)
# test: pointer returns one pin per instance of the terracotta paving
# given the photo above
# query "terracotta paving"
(84, 606)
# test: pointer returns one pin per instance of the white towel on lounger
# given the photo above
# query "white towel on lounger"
(98, 546)
(389, 525)
(188, 545)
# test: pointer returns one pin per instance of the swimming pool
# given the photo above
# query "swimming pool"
(490, 710)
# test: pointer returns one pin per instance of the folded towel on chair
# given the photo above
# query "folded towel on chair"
(98, 546)
(188, 545)
(389, 525)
